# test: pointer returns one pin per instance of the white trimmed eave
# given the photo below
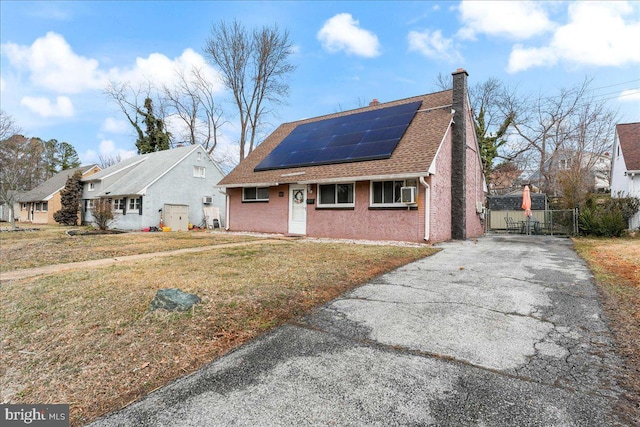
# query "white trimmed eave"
(249, 184)
(412, 175)
(432, 166)
(386, 177)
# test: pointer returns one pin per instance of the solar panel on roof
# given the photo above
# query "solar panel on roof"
(371, 135)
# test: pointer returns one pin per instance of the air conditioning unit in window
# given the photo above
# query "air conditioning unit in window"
(408, 195)
(207, 200)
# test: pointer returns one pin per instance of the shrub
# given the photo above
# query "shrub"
(70, 198)
(606, 217)
(102, 214)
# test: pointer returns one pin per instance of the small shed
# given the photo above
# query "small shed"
(510, 205)
(176, 217)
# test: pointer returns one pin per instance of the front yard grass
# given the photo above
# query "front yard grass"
(86, 338)
(51, 245)
(616, 266)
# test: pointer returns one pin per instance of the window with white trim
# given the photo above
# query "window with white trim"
(89, 204)
(119, 204)
(199, 171)
(336, 195)
(45, 206)
(134, 204)
(91, 186)
(388, 193)
(38, 207)
(255, 194)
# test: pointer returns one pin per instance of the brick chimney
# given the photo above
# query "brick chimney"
(459, 156)
(374, 102)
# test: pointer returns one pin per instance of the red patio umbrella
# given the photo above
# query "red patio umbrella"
(526, 201)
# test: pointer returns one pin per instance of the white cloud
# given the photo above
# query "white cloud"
(54, 66)
(43, 106)
(514, 19)
(343, 33)
(629, 95)
(1, 84)
(112, 125)
(433, 45)
(161, 70)
(107, 148)
(596, 34)
(88, 157)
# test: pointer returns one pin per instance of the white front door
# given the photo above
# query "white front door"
(297, 209)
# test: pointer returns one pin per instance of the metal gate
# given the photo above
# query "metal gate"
(550, 222)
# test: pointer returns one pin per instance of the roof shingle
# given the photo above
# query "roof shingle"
(629, 136)
(412, 156)
(52, 185)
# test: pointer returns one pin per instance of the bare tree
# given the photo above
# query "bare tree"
(145, 111)
(8, 126)
(193, 101)
(21, 168)
(255, 67)
(561, 132)
(105, 160)
(443, 81)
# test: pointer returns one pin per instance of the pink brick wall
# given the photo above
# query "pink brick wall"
(440, 183)
(475, 192)
(357, 223)
(363, 223)
(271, 217)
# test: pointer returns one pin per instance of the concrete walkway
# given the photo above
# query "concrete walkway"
(51, 269)
(505, 331)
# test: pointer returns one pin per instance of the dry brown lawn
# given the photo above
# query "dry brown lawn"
(86, 337)
(51, 245)
(616, 266)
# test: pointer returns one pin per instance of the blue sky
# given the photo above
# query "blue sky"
(56, 57)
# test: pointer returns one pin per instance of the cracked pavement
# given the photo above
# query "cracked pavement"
(502, 331)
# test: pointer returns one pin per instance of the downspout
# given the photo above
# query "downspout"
(227, 214)
(427, 195)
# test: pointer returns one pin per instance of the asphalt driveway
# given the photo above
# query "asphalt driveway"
(502, 331)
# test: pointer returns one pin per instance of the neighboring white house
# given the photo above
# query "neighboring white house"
(171, 187)
(625, 171)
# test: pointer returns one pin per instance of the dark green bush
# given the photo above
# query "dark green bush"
(606, 217)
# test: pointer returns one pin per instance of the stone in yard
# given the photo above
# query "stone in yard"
(173, 299)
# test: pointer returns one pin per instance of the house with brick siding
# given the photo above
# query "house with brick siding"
(625, 169)
(38, 205)
(405, 170)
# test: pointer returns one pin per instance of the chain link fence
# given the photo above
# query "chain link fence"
(545, 222)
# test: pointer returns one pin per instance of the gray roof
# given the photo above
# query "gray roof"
(51, 186)
(140, 171)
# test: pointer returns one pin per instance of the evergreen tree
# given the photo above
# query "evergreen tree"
(67, 156)
(155, 137)
(490, 142)
(70, 198)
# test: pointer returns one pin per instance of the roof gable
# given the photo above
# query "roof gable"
(412, 156)
(140, 172)
(629, 137)
(47, 189)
